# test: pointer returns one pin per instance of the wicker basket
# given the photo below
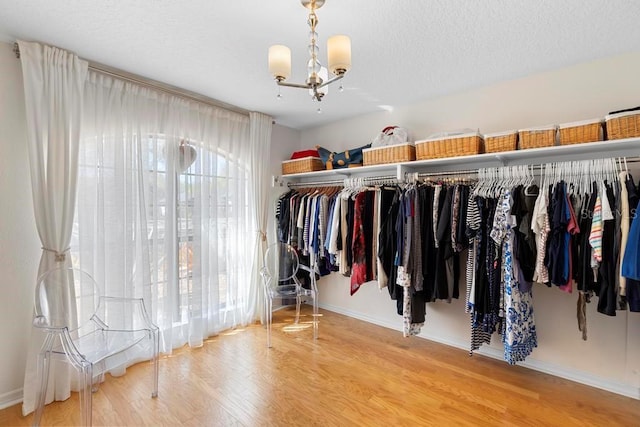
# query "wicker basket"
(623, 125)
(452, 146)
(579, 132)
(537, 137)
(501, 141)
(389, 154)
(306, 164)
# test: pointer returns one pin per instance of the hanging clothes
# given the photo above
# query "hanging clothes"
(520, 337)
(474, 261)
(541, 228)
(524, 249)
(361, 244)
(444, 263)
(630, 261)
(607, 299)
(499, 237)
(558, 243)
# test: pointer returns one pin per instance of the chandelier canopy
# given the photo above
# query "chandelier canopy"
(338, 55)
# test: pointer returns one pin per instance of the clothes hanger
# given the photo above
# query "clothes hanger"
(491, 183)
(475, 191)
(521, 176)
(531, 182)
(547, 178)
(487, 182)
(495, 183)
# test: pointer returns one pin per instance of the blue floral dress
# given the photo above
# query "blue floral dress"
(519, 336)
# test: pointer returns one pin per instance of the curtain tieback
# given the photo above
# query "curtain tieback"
(262, 234)
(59, 256)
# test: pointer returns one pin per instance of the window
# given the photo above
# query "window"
(194, 224)
(210, 202)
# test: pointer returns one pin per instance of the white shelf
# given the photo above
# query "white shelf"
(629, 147)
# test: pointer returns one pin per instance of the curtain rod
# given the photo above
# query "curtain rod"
(154, 84)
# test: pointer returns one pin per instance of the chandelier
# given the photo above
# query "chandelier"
(338, 53)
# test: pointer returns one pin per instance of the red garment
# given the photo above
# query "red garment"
(304, 153)
(359, 265)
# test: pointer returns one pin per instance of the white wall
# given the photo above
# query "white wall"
(284, 141)
(610, 358)
(580, 92)
(19, 243)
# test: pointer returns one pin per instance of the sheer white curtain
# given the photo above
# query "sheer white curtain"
(53, 84)
(260, 129)
(163, 209)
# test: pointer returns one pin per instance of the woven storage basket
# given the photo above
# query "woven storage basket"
(537, 137)
(623, 125)
(306, 164)
(500, 141)
(578, 132)
(451, 146)
(389, 154)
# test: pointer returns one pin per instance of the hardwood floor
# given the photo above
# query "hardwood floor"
(355, 374)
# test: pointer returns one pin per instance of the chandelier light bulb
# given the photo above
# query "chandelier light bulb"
(280, 62)
(339, 54)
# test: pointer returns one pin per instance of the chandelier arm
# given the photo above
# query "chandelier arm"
(331, 80)
(298, 85)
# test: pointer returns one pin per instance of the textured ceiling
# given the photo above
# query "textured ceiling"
(404, 51)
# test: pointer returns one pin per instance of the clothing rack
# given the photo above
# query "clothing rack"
(373, 180)
(446, 175)
(414, 176)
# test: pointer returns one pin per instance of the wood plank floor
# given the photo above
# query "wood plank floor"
(355, 374)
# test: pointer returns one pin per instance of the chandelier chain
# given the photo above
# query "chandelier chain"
(313, 21)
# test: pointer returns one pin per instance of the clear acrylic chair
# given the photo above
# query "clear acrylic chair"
(281, 282)
(90, 331)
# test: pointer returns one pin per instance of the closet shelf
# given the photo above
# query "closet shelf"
(629, 147)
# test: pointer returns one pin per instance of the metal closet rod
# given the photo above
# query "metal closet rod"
(387, 179)
(392, 178)
(340, 182)
(444, 173)
(537, 167)
(156, 85)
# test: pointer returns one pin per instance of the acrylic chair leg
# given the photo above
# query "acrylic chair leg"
(154, 360)
(298, 304)
(44, 362)
(86, 372)
(315, 317)
(95, 382)
(268, 316)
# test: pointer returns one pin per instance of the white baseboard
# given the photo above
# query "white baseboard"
(11, 398)
(531, 363)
